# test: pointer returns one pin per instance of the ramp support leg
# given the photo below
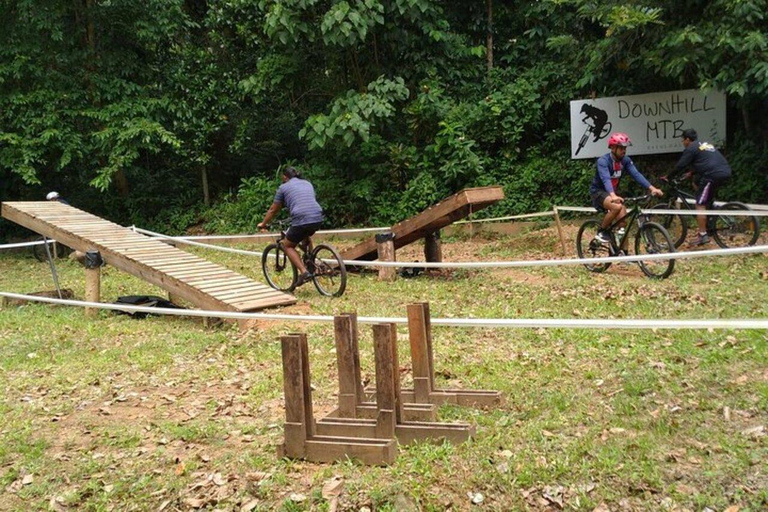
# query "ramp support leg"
(385, 243)
(92, 264)
(433, 250)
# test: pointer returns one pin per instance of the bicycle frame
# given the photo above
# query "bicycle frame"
(305, 248)
(631, 215)
(677, 195)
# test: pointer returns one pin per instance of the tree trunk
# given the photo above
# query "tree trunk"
(206, 193)
(489, 35)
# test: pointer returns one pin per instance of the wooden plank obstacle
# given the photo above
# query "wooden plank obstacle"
(184, 275)
(390, 420)
(426, 225)
(422, 360)
(386, 413)
(354, 401)
(301, 439)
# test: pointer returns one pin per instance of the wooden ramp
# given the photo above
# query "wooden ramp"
(202, 283)
(430, 220)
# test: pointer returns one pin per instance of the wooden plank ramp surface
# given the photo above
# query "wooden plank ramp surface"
(201, 282)
(432, 219)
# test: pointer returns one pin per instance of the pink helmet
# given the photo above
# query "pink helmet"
(619, 139)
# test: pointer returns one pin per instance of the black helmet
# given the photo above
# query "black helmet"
(690, 134)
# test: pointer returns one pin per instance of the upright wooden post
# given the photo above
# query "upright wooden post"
(559, 228)
(299, 421)
(421, 359)
(386, 250)
(92, 264)
(387, 380)
(433, 250)
(350, 387)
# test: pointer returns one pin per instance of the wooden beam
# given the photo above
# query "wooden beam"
(430, 220)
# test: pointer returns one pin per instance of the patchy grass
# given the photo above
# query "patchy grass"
(113, 413)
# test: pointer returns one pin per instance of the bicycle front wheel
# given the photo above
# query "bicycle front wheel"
(654, 239)
(734, 230)
(588, 246)
(278, 269)
(676, 225)
(330, 274)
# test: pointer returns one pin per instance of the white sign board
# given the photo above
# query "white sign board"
(654, 122)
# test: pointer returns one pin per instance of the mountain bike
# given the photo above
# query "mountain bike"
(650, 238)
(56, 249)
(323, 262)
(727, 230)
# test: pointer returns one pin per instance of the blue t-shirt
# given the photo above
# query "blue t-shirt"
(298, 196)
(609, 173)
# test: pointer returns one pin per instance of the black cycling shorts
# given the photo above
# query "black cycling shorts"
(705, 195)
(298, 233)
(598, 198)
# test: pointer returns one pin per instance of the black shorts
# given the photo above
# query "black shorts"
(705, 195)
(598, 198)
(298, 233)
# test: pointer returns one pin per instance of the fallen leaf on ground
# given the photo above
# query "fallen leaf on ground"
(333, 487)
(754, 432)
(249, 506)
(57, 504)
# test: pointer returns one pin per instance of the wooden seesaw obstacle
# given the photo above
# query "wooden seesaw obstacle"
(366, 424)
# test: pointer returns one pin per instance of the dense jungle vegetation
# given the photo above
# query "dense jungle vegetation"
(177, 113)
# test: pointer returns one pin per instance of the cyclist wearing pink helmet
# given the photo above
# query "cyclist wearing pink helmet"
(609, 171)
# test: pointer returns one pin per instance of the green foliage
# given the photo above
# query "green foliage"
(534, 184)
(749, 183)
(345, 25)
(352, 116)
(241, 213)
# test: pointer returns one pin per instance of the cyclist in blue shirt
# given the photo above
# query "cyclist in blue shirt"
(609, 171)
(298, 195)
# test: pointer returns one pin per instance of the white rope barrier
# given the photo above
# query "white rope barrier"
(587, 209)
(24, 244)
(273, 235)
(505, 264)
(729, 213)
(510, 217)
(520, 323)
(569, 261)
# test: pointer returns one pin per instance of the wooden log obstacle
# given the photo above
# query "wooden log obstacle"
(367, 421)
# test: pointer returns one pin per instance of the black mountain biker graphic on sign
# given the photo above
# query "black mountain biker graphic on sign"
(597, 125)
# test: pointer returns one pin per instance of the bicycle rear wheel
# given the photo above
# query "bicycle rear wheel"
(654, 239)
(39, 251)
(57, 249)
(278, 269)
(330, 274)
(676, 225)
(588, 247)
(734, 230)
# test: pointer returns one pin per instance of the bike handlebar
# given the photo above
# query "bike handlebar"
(636, 199)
